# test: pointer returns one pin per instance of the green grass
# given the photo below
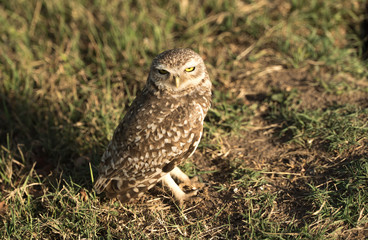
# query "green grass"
(337, 127)
(284, 150)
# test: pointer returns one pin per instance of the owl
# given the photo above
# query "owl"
(162, 127)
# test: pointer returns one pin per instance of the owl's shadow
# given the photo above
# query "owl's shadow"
(44, 144)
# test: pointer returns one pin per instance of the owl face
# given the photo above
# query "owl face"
(177, 69)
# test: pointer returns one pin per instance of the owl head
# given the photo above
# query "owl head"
(177, 69)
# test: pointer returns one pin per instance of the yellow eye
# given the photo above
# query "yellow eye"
(191, 69)
(161, 71)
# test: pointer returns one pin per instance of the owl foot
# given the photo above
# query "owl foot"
(179, 195)
(192, 184)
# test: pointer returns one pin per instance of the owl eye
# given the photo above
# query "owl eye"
(191, 69)
(161, 71)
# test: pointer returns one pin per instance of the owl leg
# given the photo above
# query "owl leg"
(179, 195)
(185, 180)
(180, 175)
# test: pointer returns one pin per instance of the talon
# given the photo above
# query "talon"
(191, 185)
(191, 197)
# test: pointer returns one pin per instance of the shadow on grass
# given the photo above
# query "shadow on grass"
(364, 33)
(335, 194)
(40, 137)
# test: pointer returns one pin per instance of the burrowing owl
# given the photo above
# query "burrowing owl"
(162, 127)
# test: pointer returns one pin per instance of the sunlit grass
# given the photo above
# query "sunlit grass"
(70, 69)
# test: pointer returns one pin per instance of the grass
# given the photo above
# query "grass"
(284, 152)
(337, 127)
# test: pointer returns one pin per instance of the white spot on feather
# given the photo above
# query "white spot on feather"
(106, 169)
(120, 160)
(191, 137)
(177, 137)
(158, 136)
(119, 184)
(196, 145)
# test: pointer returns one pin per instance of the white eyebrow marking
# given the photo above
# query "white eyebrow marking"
(191, 63)
(162, 67)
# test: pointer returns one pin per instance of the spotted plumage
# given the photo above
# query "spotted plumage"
(162, 127)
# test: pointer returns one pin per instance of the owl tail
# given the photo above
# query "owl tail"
(110, 187)
(101, 184)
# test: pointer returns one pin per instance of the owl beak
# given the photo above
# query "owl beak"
(177, 81)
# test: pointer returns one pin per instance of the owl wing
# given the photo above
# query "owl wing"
(156, 133)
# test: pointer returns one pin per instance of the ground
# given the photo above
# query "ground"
(285, 144)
